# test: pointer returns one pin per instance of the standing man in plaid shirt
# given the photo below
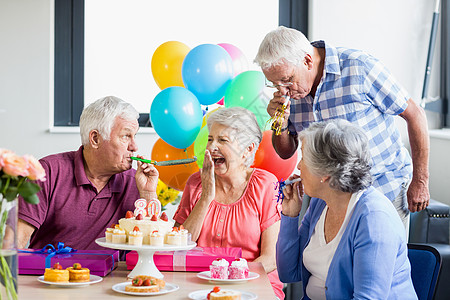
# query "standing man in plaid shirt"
(320, 82)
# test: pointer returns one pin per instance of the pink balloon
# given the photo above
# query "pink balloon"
(221, 101)
(240, 62)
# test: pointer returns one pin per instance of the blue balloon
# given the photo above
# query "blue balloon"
(206, 71)
(176, 116)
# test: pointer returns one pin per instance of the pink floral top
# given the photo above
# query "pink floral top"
(239, 224)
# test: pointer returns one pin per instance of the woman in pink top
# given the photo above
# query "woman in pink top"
(228, 203)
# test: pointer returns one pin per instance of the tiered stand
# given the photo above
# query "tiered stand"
(145, 264)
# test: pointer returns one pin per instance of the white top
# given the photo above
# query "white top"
(318, 254)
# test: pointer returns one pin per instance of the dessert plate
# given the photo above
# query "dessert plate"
(207, 276)
(93, 279)
(120, 288)
(201, 295)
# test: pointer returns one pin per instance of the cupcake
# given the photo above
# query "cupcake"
(109, 232)
(119, 236)
(174, 237)
(135, 237)
(156, 239)
(185, 236)
(219, 269)
(238, 269)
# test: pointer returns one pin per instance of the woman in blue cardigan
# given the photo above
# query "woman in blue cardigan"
(351, 243)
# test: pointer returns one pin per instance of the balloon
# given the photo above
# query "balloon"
(176, 116)
(207, 70)
(166, 64)
(266, 158)
(174, 176)
(240, 62)
(247, 90)
(200, 145)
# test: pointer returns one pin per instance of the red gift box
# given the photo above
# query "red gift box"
(194, 260)
(99, 262)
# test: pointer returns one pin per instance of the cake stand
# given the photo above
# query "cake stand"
(145, 264)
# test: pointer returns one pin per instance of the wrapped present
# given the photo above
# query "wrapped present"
(194, 260)
(99, 262)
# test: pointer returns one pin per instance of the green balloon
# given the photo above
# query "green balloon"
(200, 145)
(247, 90)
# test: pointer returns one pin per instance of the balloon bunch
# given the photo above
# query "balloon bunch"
(188, 78)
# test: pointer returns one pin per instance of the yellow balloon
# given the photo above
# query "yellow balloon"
(205, 117)
(167, 62)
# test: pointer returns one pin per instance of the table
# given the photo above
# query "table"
(31, 289)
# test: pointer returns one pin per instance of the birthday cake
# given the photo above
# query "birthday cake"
(147, 219)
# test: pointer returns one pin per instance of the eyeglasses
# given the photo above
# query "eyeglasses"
(287, 83)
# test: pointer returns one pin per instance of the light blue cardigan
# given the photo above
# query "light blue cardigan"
(370, 261)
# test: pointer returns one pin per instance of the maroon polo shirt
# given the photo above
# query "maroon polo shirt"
(70, 210)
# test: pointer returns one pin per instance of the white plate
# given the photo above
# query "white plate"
(201, 295)
(207, 276)
(120, 288)
(92, 279)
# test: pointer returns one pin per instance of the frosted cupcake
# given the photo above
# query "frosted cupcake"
(185, 236)
(109, 232)
(238, 269)
(119, 236)
(219, 269)
(174, 237)
(135, 237)
(156, 239)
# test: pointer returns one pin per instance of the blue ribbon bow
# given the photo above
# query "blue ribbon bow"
(51, 251)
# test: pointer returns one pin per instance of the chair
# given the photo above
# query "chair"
(425, 267)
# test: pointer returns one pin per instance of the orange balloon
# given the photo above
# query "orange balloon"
(174, 176)
(267, 158)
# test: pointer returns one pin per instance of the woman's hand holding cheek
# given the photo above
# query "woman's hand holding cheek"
(208, 177)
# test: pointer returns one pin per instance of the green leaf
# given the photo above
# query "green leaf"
(33, 199)
(11, 193)
(28, 189)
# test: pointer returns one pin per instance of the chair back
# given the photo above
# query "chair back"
(425, 266)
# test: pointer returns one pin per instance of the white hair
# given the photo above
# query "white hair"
(101, 115)
(283, 45)
(339, 149)
(245, 127)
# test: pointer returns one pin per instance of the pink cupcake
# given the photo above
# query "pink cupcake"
(238, 269)
(219, 269)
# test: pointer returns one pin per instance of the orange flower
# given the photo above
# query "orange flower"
(3, 152)
(14, 165)
(35, 169)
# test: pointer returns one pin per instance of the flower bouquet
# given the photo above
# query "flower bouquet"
(17, 174)
(167, 194)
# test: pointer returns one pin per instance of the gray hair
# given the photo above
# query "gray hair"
(283, 45)
(101, 115)
(338, 149)
(244, 124)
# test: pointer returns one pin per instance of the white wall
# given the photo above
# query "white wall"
(26, 91)
(397, 32)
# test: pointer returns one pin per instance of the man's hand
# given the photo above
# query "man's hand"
(146, 180)
(276, 103)
(418, 195)
(293, 198)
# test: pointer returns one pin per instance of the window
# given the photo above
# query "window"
(104, 47)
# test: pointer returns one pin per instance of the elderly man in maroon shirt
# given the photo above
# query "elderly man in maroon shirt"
(88, 190)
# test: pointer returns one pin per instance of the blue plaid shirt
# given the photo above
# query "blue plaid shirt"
(357, 87)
